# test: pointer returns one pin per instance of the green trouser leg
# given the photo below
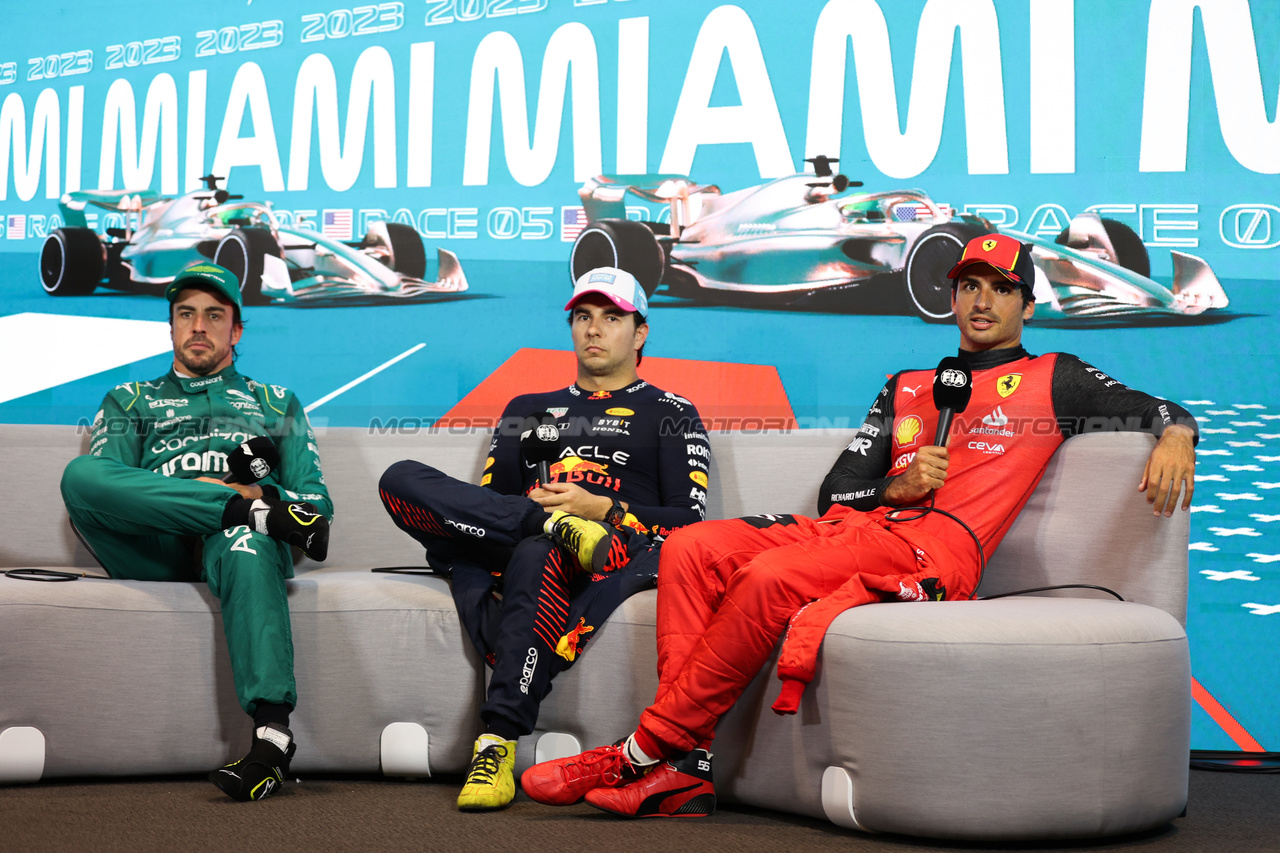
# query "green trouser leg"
(247, 571)
(144, 526)
(141, 525)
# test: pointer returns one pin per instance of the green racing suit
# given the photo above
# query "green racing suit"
(135, 503)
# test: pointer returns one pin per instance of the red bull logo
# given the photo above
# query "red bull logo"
(631, 521)
(574, 469)
(569, 464)
(570, 645)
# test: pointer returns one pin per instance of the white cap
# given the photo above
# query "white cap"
(619, 286)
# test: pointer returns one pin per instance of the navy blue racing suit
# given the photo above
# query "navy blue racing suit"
(527, 608)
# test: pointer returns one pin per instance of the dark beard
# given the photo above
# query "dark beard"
(199, 365)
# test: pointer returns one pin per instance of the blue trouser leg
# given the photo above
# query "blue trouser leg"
(528, 636)
(430, 505)
(549, 614)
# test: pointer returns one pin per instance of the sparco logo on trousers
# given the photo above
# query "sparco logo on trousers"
(469, 529)
(530, 664)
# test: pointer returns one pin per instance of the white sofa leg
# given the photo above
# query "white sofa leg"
(404, 750)
(21, 754)
(553, 745)
(837, 798)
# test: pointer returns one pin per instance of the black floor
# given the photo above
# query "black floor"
(1226, 812)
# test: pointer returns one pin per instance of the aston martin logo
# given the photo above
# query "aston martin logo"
(988, 245)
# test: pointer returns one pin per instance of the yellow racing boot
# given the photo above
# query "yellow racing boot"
(491, 781)
(588, 542)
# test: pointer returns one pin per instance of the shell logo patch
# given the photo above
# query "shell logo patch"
(908, 430)
(1008, 383)
(699, 478)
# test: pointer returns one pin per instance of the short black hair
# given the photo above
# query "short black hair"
(639, 319)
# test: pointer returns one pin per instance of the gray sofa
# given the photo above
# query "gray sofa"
(1062, 715)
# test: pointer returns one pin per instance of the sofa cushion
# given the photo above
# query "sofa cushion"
(129, 677)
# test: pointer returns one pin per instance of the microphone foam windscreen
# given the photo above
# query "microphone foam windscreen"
(254, 460)
(952, 384)
(540, 438)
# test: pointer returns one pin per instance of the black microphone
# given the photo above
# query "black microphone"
(540, 444)
(952, 388)
(252, 461)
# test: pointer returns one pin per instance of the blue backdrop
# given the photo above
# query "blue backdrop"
(476, 120)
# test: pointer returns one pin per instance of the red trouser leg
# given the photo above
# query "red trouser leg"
(725, 598)
(696, 564)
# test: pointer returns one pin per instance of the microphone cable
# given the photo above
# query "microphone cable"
(922, 511)
(50, 575)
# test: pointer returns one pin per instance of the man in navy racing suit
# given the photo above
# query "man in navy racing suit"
(536, 566)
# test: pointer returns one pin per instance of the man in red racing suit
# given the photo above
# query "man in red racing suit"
(727, 590)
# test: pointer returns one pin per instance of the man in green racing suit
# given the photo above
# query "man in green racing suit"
(150, 503)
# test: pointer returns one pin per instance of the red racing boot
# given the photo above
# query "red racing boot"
(564, 781)
(680, 788)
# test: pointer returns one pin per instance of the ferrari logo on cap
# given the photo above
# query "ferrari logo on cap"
(988, 245)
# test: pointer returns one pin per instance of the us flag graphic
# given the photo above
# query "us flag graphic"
(336, 224)
(909, 211)
(16, 226)
(572, 221)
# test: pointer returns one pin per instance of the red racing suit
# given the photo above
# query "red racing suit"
(727, 590)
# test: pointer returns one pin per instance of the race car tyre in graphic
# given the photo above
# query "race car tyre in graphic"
(71, 262)
(925, 273)
(407, 255)
(682, 283)
(1131, 253)
(242, 252)
(117, 274)
(620, 243)
(400, 247)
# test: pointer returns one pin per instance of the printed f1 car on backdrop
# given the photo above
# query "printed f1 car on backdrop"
(1145, 125)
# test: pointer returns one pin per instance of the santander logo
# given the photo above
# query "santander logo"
(996, 419)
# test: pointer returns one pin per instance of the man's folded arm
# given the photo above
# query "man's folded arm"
(857, 479)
